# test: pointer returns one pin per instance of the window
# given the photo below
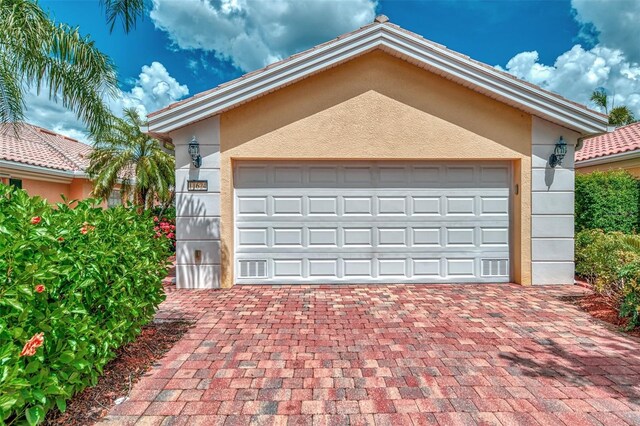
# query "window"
(16, 182)
(114, 199)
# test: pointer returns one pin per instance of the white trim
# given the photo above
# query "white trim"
(41, 173)
(608, 159)
(457, 67)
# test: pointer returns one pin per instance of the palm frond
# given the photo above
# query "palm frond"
(599, 98)
(43, 54)
(621, 116)
(631, 241)
(11, 96)
(125, 11)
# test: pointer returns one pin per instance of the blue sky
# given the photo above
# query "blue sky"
(183, 47)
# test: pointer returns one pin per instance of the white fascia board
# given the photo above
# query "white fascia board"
(262, 83)
(494, 83)
(29, 171)
(451, 65)
(608, 159)
(40, 173)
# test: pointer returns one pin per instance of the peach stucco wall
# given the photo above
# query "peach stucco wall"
(631, 165)
(378, 107)
(76, 189)
(50, 191)
(79, 189)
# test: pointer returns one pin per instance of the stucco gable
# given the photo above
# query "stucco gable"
(378, 100)
(399, 42)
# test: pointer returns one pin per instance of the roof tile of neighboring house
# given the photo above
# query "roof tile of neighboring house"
(262, 70)
(623, 139)
(29, 144)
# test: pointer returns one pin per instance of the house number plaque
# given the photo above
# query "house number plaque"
(197, 185)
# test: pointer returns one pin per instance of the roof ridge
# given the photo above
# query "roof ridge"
(38, 134)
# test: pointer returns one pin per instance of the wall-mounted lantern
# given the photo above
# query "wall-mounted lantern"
(194, 152)
(559, 152)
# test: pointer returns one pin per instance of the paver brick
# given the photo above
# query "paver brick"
(387, 355)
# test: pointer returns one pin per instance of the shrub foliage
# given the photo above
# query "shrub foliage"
(611, 263)
(75, 284)
(607, 201)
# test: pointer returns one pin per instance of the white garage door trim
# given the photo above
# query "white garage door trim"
(372, 222)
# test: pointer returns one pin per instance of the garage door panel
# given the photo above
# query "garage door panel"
(426, 206)
(461, 267)
(380, 175)
(318, 237)
(322, 205)
(392, 206)
(406, 237)
(357, 237)
(287, 268)
(492, 205)
(456, 237)
(490, 236)
(427, 237)
(357, 206)
(253, 237)
(388, 238)
(392, 237)
(290, 206)
(287, 175)
(372, 222)
(287, 237)
(252, 205)
(460, 206)
(361, 268)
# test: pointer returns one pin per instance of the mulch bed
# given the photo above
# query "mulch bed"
(598, 307)
(131, 362)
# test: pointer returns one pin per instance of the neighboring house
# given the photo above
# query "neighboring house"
(378, 157)
(45, 163)
(619, 149)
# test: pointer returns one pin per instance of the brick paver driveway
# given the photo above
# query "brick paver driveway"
(389, 355)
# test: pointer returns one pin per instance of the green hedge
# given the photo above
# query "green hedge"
(611, 263)
(607, 201)
(83, 278)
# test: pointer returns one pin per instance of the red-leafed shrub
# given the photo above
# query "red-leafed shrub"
(166, 228)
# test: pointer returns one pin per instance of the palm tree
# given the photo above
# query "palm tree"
(599, 98)
(618, 115)
(38, 52)
(621, 116)
(125, 155)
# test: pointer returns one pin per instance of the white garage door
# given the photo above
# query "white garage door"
(371, 222)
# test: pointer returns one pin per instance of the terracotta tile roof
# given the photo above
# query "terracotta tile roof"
(623, 139)
(29, 144)
(434, 44)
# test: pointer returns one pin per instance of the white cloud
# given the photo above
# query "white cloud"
(253, 33)
(577, 72)
(617, 23)
(46, 113)
(612, 63)
(154, 88)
